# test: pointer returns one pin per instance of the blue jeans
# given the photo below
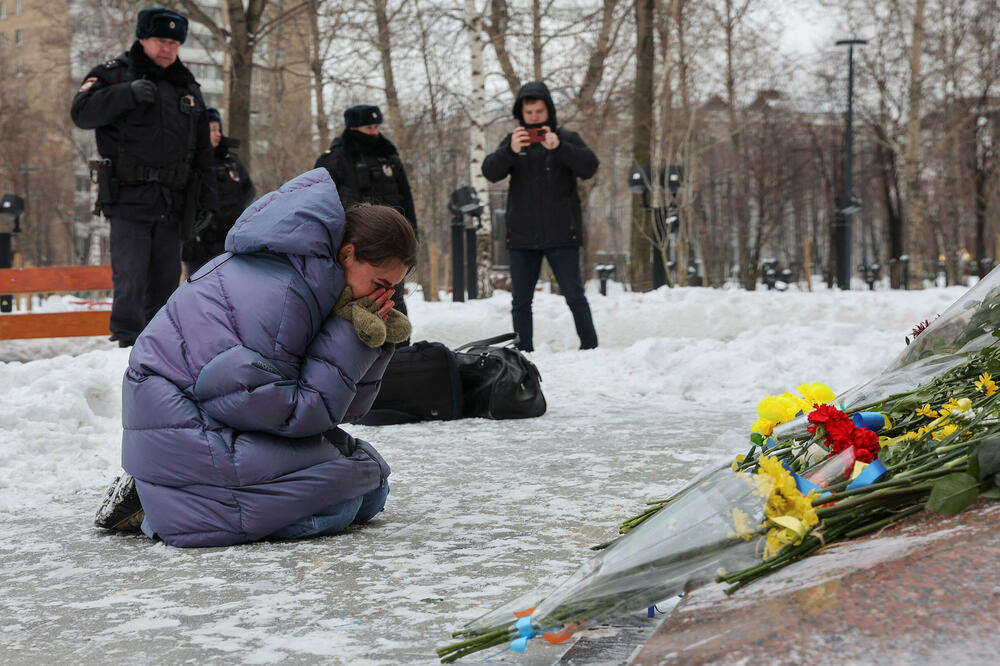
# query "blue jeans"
(525, 267)
(337, 517)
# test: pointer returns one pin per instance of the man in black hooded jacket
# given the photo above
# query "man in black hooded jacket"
(544, 219)
(152, 131)
(367, 169)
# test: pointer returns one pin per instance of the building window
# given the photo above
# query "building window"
(20, 67)
(17, 7)
(3, 40)
(204, 72)
(19, 37)
(3, 9)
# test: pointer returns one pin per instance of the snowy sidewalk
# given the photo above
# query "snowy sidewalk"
(480, 511)
(471, 522)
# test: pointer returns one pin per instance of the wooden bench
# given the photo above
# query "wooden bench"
(54, 279)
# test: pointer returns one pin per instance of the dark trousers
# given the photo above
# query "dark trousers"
(525, 267)
(145, 270)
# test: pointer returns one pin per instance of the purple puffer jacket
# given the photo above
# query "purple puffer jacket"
(232, 385)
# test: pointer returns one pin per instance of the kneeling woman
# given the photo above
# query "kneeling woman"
(235, 390)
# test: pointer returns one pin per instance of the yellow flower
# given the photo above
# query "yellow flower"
(927, 411)
(815, 393)
(779, 408)
(944, 432)
(737, 462)
(953, 405)
(763, 426)
(986, 385)
(790, 513)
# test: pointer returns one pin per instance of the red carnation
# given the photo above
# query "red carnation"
(866, 445)
(823, 415)
(839, 434)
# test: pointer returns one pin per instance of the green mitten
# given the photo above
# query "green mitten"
(361, 312)
(397, 327)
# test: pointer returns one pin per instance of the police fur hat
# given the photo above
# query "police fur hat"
(361, 115)
(163, 23)
(214, 116)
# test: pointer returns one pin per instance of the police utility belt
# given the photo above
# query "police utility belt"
(110, 175)
(173, 176)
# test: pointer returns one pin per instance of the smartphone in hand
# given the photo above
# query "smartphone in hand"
(536, 135)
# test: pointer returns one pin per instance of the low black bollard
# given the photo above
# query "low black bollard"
(604, 272)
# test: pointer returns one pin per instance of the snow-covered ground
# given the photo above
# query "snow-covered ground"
(480, 511)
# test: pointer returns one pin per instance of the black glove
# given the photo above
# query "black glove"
(202, 220)
(143, 91)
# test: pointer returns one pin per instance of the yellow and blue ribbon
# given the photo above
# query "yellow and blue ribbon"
(868, 475)
(805, 486)
(872, 420)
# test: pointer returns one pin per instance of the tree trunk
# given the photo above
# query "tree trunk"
(431, 230)
(915, 227)
(536, 39)
(243, 25)
(597, 60)
(316, 69)
(747, 251)
(497, 30)
(477, 144)
(385, 54)
(642, 278)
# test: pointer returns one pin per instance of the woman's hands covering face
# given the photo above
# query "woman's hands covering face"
(382, 298)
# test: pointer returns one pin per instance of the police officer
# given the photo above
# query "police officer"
(152, 133)
(366, 168)
(234, 191)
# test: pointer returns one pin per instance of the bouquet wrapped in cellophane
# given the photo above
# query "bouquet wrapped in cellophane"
(712, 527)
(924, 434)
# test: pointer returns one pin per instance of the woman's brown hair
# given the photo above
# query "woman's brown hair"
(379, 233)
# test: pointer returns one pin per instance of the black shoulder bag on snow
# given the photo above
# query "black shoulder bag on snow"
(420, 383)
(498, 382)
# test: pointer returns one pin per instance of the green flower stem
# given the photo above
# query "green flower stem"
(458, 650)
(942, 466)
(891, 483)
(809, 545)
(871, 527)
(862, 500)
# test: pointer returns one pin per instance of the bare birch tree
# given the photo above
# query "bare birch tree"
(477, 143)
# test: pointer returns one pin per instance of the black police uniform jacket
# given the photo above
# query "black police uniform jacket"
(149, 143)
(543, 207)
(234, 192)
(368, 169)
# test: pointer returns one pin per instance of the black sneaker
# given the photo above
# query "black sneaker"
(120, 509)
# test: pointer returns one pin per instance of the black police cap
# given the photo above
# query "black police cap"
(163, 23)
(361, 115)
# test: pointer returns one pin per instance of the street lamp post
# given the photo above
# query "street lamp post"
(847, 203)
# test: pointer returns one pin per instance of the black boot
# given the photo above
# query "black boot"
(120, 509)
